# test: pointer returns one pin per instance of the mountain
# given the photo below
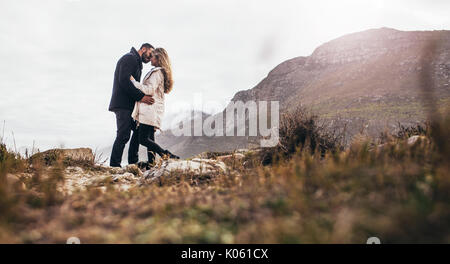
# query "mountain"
(371, 77)
(369, 80)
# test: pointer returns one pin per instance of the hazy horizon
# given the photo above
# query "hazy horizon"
(58, 57)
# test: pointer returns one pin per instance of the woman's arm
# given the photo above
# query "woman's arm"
(126, 67)
(150, 85)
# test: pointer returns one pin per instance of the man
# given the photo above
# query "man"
(125, 95)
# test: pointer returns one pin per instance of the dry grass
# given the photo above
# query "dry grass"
(301, 131)
(399, 193)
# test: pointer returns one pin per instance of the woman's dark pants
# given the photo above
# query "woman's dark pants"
(144, 135)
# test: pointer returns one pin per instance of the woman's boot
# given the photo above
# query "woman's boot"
(170, 154)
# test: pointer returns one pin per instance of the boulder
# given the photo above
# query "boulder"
(195, 166)
(131, 168)
(414, 139)
(119, 178)
(126, 177)
(80, 178)
(78, 154)
(134, 169)
(410, 141)
(232, 157)
(52, 155)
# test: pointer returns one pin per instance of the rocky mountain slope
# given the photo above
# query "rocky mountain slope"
(372, 76)
(368, 80)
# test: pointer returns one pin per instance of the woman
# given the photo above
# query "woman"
(148, 117)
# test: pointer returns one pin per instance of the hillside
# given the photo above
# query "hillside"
(367, 80)
(371, 76)
(397, 191)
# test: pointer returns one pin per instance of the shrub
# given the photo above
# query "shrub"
(299, 131)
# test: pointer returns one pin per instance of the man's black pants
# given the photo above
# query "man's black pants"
(124, 126)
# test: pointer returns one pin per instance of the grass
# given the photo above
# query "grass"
(399, 193)
(385, 109)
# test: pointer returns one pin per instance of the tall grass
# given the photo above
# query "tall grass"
(399, 193)
(301, 131)
(18, 193)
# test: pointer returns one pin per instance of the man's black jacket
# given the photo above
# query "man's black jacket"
(125, 94)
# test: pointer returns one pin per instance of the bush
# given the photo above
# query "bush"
(299, 131)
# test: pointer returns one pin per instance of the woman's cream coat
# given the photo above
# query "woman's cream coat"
(152, 84)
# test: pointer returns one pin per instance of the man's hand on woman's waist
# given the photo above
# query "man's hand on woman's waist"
(147, 99)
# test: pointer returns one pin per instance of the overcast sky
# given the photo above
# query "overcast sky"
(57, 57)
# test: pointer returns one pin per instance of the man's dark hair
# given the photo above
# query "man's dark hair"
(146, 45)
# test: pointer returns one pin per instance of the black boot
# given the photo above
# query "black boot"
(143, 165)
(170, 154)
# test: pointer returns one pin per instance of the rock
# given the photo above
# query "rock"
(78, 154)
(52, 155)
(249, 150)
(75, 178)
(196, 166)
(134, 169)
(72, 169)
(413, 140)
(231, 157)
(131, 168)
(128, 176)
(410, 141)
(119, 178)
(78, 178)
(116, 170)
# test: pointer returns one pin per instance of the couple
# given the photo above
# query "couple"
(139, 107)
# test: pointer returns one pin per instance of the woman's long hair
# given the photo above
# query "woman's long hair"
(164, 62)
